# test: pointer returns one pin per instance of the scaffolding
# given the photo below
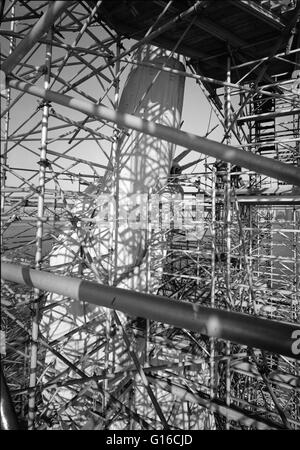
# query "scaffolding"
(220, 232)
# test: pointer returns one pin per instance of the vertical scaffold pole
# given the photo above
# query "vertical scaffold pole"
(228, 224)
(296, 295)
(39, 238)
(113, 241)
(213, 289)
(116, 162)
(6, 124)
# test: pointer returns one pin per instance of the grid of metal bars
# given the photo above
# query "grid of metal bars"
(144, 375)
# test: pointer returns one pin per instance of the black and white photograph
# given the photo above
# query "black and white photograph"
(150, 219)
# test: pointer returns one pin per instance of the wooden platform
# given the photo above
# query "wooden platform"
(251, 28)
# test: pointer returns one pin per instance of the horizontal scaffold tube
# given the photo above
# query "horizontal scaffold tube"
(278, 337)
(268, 116)
(251, 161)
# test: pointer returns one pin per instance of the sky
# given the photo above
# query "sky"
(197, 115)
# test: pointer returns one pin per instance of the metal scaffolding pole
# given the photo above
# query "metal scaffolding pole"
(233, 390)
(227, 220)
(260, 164)
(39, 239)
(55, 9)
(111, 344)
(232, 412)
(74, 44)
(212, 347)
(240, 328)
(149, 37)
(6, 128)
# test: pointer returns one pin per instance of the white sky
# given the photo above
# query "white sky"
(196, 114)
